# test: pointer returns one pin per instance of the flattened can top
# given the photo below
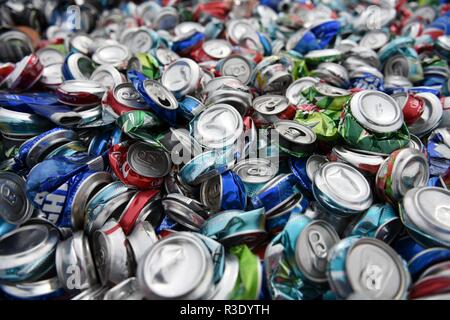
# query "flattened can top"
(374, 39)
(295, 132)
(218, 126)
(217, 48)
(376, 111)
(375, 269)
(338, 185)
(127, 95)
(427, 209)
(181, 76)
(270, 104)
(160, 95)
(15, 208)
(148, 161)
(113, 54)
(176, 267)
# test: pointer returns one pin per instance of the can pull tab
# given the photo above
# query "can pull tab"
(320, 250)
(260, 172)
(294, 133)
(372, 277)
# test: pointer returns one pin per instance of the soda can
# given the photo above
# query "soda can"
(73, 256)
(84, 93)
(403, 170)
(236, 66)
(45, 289)
(187, 212)
(212, 131)
(367, 78)
(367, 164)
(302, 42)
(367, 266)
(126, 290)
(374, 39)
(274, 107)
(110, 201)
(214, 49)
(181, 77)
(278, 219)
(224, 192)
(111, 253)
(332, 73)
(16, 45)
(131, 163)
(419, 211)
(346, 196)
(412, 106)
(189, 107)
(34, 150)
(276, 193)
(26, 73)
(141, 39)
(116, 55)
(326, 96)
(381, 136)
(107, 76)
(207, 165)
(15, 206)
(379, 221)
(123, 98)
(31, 257)
(431, 116)
(294, 138)
(144, 205)
(407, 247)
(234, 227)
(159, 98)
(190, 260)
(77, 67)
(83, 187)
(141, 238)
(426, 258)
(305, 169)
(255, 173)
(5, 70)
(294, 91)
(188, 42)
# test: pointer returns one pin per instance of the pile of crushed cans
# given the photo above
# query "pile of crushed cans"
(234, 149)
